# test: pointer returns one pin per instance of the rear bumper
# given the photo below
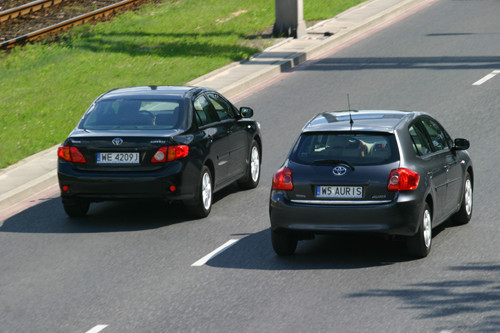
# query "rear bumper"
(398, 217)
(101, 186)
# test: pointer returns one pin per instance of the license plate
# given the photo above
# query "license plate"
(339, 192)
(118, 158)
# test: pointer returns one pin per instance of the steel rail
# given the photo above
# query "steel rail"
(26, 9)
(96, 14)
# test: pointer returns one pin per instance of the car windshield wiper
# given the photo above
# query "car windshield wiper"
(334, 162)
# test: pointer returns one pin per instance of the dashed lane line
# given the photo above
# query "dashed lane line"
(97, 329)
(215, 252)
(486, 78)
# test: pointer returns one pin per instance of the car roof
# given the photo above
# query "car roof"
(362, 120)
(151, 92)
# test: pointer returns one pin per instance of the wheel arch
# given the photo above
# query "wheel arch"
(430, 201)
(210, 166)
(258, 139)
(471, 173)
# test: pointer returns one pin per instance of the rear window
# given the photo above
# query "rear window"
(354, 148)
(132, 114)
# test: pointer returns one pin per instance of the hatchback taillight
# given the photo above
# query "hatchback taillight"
(403, 179)
(71, 154)
(167, 154)
(282, 180)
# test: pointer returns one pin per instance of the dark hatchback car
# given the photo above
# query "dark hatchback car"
(159, 142)
(392, 172)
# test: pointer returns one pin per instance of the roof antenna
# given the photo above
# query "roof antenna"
(350, 116)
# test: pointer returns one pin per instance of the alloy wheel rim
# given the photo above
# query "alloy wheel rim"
(206, 190)
(255, 164)
(427, 228)
(468, 197)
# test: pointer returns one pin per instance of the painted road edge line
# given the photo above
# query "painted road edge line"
(486, 78)
(97, 329)
(215, 252)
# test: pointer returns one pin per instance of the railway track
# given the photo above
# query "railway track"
(34, 20)
(26, 8)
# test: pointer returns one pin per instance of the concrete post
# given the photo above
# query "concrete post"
(289, 19)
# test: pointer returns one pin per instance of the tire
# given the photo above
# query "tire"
(465, 212)
(201, 205)
(252, 175)
(284, 243)
(419, 245)
(75, 207)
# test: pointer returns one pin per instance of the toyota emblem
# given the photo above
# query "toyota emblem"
(339, 170)
(117, 141)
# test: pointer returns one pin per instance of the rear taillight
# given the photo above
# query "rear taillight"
(282, 180)
(71, 154)
(167, 154)
(402, 180)
(176, 152)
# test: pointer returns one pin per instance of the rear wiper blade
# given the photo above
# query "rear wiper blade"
(334, 162)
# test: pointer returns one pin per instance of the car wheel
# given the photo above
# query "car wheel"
(252, 175)
(464, 214)
(284, 243)
(201, 205)
(75, 207)
(419, 245)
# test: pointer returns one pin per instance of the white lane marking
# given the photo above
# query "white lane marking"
(486, 78)
(97, 329)
(215, 252)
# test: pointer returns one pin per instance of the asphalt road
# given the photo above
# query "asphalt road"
(129, 268)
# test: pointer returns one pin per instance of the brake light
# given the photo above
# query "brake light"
(403, 179)
(71, 154)
(282, 180)
(167, 154)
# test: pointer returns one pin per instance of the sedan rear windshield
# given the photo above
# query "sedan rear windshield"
(350, 147)
(130, 114)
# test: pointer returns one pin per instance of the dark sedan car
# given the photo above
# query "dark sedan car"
(159, 142)
(392, 172)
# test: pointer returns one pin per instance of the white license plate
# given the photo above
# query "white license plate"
(339, 192)
(118, 158)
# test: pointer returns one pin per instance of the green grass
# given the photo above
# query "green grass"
(46, 87)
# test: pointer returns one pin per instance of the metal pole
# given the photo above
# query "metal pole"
(289, 19)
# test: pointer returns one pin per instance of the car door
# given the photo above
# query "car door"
(434, 162)
(208, 122)
(447, 177)
(238, 137)
(442, 143)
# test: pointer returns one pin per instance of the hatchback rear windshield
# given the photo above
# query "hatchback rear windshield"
(132, 114)
(353, 148)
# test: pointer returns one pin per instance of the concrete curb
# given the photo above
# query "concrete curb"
(27, 177)
(25, 190)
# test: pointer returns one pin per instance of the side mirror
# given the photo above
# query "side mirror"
(246, 112)
(461, 144)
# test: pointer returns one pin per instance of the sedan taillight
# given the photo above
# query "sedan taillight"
(403, 179)
(167, 154)
(282, 180)
(71, 154)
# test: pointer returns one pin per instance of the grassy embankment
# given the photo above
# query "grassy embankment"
(46, 87)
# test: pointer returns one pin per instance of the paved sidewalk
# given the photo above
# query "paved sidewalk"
(38, 172)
